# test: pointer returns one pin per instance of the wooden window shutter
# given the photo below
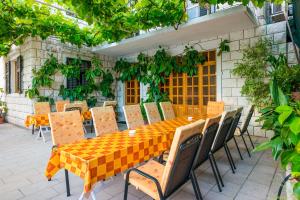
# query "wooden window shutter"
(7, 77)
(19, 75)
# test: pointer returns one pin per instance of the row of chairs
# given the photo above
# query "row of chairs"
(192, 145)
(63, 105)
(134, 118)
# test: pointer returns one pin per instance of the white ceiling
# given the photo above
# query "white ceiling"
(221, 22)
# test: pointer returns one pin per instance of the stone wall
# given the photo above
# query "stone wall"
(35, 52)
(228, 85)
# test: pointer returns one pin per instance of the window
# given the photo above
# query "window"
(132, 92)
(74, 82)
(14, 76)
(7, 77)
(191, 94)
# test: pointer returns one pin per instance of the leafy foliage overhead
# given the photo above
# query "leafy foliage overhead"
(257, 3)
(109, 21)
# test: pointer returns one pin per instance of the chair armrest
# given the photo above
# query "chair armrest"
(146, 176)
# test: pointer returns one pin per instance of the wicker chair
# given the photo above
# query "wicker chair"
(133, 116)
(167, 110)
(159, 181)
(152, 112)
(215, 108)
(60, 105)
(104, 120)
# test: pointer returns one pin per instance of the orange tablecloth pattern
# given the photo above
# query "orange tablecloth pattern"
(102, 157)
(36, 120)
(43, 120)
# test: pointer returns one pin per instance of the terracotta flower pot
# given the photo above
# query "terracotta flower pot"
(296, 96)
(2, 119)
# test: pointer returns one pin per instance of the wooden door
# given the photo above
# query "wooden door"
(190, 95)
(132, 92)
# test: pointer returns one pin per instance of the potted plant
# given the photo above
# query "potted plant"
(3, 107)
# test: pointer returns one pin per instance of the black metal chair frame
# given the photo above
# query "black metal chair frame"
(220, 139)
(232, 136)
(244, 130)
(212, 129)
(169, 192)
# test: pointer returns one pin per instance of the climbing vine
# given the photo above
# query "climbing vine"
(224, 47)
(152, 70)
(44, 78)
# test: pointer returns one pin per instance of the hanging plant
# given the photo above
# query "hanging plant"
(153, 70)
(190, 60)
(224, 47)
(43, 78)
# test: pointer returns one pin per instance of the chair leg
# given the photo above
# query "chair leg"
(126, 187)
(215, 173)
(92, 125)
(217, 169)
(230, 156)
(237, 146)
(67, 183)
(43, 136)
(229, 160)
(196, 186)
(250, 139)
(32, 131)
(246, 145)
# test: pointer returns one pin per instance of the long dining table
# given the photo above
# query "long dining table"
(102, 157)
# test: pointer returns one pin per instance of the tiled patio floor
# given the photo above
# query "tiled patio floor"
(23, 160)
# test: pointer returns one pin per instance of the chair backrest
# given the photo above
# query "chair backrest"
(209, 132)
(60, 105)
(110, 103)
(215, 107)
(133, 116)
(223, 130)
(182, 155)
(246, 122)
(104, 120)
(84, 107)
(41, 108)
(235, 123)
(73, 106)
(152, 112)
(66, 127)
(167, 110)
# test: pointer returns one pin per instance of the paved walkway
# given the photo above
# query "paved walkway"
(23, 160)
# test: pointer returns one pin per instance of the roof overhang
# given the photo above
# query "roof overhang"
(224, 21)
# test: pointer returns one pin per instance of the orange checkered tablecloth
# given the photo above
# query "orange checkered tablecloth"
(37, 120)
(100, 158)
(43, 120)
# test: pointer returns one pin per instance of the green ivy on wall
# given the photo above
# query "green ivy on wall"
(152, 70)
(44, 78)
